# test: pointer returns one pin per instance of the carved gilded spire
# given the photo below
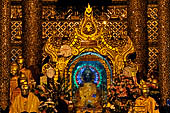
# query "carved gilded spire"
(88, 28)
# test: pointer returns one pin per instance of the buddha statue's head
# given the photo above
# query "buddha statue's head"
(25, 89)
(20, 61)
(14, 68)
(145, 90)
(22, 79)
(155, 83)
(22, 75)
(88, 75)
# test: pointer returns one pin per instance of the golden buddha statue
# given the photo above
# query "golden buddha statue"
(24, 70)
(88, 92)
(26, 101)
(155, 83)
(14, 90)
(145, 103)
(22, 79)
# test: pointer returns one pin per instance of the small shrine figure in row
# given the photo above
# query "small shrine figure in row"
(25, 101)
(145, 103)
(18, 74)
(14, 90)
(23, 69)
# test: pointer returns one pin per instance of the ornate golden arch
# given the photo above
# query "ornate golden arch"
(90, 37)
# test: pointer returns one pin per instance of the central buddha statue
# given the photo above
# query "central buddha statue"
(88, 91)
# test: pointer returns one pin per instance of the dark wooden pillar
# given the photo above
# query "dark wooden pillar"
(5, 11)
(137, 16)
(32, 31)
(164, 49)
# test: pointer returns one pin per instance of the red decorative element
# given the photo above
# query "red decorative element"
(36, 91)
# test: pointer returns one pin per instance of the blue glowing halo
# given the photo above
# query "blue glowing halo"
(82, 69)
(96, 54)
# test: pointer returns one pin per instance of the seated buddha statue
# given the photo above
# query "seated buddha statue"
(24, 70)
(14, 89)
(25, 102)
(145, 103)
(88, 91)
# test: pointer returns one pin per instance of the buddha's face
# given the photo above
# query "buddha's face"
(23, 75)
(14, 68)
(22, 80)
(145, 92)
(155, 83)
(24, 90)
(13, 72)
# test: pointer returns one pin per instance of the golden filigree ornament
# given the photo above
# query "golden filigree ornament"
(88, 10)
(54, 48)
(51, 49)
(88, 29)
(51, 72)
(122, 53)
(75, 51)
(45, 68)
(59, 55)
(61, 64)
(65, 51)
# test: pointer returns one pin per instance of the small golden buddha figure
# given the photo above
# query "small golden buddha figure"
(26, 101)
(155, 83)
(14, 81)
(24, 70)
(20, 62)
(22, 78)
(145, 103)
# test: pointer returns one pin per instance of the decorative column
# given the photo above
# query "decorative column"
(32, 32)
(137, 15)
(164, 49)
(5, 13)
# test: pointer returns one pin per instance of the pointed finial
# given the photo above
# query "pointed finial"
(88, 9)
(88, 5)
